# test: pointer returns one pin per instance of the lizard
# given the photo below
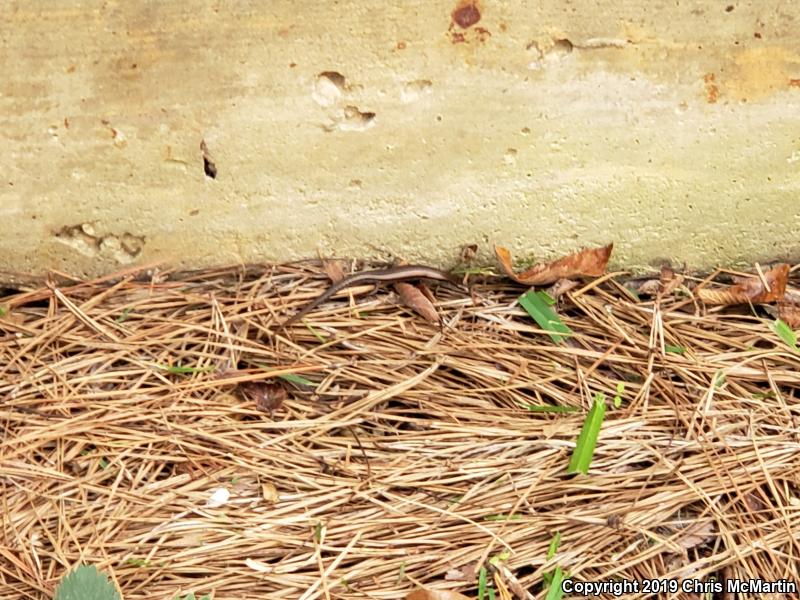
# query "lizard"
(390, 275)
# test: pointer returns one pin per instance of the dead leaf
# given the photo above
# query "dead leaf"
(669, 280)
(465, 573)
(666, 283)
(750, 289)
(789, 313)
(425, 594)
(753, 503)
(649, 287)
(267, 396)
(468, 253)
(416, 300)
(455, 575)
(694, 534)
(697, 534)
(333, 269)
(590, 262)
(269, 492)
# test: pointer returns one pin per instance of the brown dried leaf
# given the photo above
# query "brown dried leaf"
(267, 396)
(590, 262)
(269, 492)
(333, 269)
(789, 313)
(753, 502)
(669, 280)
(666, 283)
(650, 287)
(465, 573)
(425, 594)
(468, 253)
(750, 289)
(455, 575)
(698, 534)
(426, 291)
(416, 300)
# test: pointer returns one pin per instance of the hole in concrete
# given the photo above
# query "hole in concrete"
(413, 90)
(209, 168)
(337, 79)
(563, 46)
(329, 88)
(355, 119)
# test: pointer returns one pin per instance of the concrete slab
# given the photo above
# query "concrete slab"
(203, 132)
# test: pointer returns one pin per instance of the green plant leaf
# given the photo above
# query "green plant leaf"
(553, 548)
(674, 349)
(587, 440)
(618, 397)
(138, 562)
(546, 298)
(785, 333)
(537, 306)
(499, 558)
(719, 379)
(401, 573)
(86, 583)
(554, 592)
(482, 583)
(296, 379)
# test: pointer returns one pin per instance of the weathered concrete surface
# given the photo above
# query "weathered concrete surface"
(671, 128)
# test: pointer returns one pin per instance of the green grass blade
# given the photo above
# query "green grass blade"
(785, 333)
(296, 379)
(554, 592)
(482, 583)
(553, 548)
(674, 349)
(502, 517)
(587, 440)
(537, 305)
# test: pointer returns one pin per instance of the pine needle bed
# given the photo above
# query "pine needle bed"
(411, 461)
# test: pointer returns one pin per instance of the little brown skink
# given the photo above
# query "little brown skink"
(392, 275)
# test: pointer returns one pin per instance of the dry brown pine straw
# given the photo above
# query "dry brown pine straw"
(410, 460)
